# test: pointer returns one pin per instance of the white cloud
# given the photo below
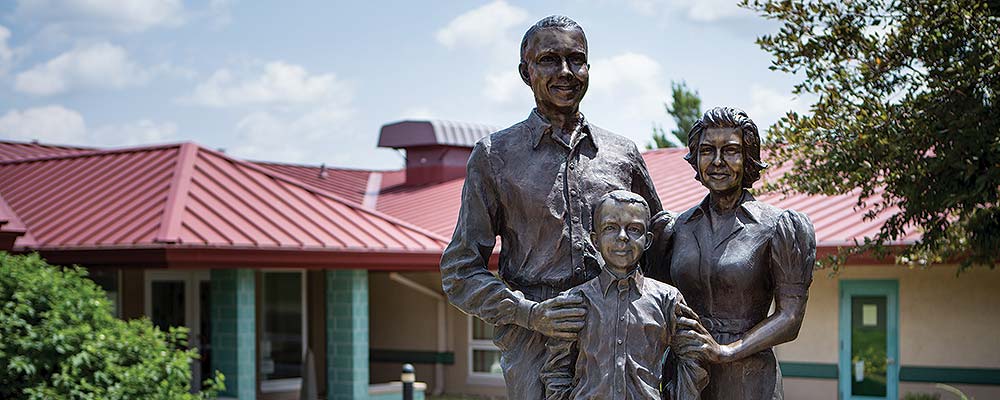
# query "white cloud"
(138, 132)
(59, 125)
(489, 26)
(418, 113)
(52, 124)
(505, 87)
(631, 84)
(6, 54)
(697, 10)
(315, 135)
(101, 65)
(768, 105)
(278, 83)
(124, 16)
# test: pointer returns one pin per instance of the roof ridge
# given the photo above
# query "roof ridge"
(180, 183)
(94, 152)
(325, 193)
(290, 164)
(60, 146)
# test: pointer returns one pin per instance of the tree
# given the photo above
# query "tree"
(58, 340)
(906, 115)
(685, 109)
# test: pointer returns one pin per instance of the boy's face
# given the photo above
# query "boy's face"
(620, 234)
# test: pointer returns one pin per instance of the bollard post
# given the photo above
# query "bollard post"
(408, 377)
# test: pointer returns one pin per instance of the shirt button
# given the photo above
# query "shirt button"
(619, 342)
(579, 270)
(572, 192)
(576, 219)
(577, 246)
(572, 166)
(622, 318)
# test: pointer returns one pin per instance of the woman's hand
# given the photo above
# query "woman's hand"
(692, 340)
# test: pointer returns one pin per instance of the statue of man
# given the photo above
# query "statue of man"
(533, 185)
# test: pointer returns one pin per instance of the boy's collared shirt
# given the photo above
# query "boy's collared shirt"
(628, 328)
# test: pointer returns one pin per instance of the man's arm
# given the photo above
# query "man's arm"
(470, 286)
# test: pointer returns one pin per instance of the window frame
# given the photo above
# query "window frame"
(483, 345)
(284, 384)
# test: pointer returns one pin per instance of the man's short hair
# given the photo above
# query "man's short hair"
(620, 196)
(729, 117)
(550, 22)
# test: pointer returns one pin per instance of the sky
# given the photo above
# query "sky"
(313, 81)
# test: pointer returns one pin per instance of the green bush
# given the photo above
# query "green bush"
(59, 340)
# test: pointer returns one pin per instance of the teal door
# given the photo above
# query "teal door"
(869, 340)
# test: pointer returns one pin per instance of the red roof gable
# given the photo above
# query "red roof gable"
(185, 196)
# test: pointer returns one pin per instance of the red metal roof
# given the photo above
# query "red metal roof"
(434, 207)
(350, 184)
(16, 150)
(186, 196)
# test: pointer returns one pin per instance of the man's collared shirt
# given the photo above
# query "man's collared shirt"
(535, 191)
(628, 328)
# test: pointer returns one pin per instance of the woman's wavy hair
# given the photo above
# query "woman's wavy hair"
(729, 117)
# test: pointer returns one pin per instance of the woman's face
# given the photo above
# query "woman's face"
(720, 159)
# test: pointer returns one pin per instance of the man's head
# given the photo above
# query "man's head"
(716, 121)
(554, 64)
(620, 229)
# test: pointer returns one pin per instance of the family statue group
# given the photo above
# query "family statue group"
(602, 294)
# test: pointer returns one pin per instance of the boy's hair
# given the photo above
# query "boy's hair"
(620, 196)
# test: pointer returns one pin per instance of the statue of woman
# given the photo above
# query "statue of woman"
(730, 256)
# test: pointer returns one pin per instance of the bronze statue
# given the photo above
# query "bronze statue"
(533, 185)
(730, 256)
(630, 320)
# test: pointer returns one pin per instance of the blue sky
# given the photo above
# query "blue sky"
(313, 81)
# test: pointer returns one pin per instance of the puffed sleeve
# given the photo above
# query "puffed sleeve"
(657, 260)
(793, 254)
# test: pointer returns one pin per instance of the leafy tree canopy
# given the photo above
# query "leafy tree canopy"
(906, 117)
(685, 108)
(59, 340)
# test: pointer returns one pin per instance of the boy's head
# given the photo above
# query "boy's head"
(620, 229)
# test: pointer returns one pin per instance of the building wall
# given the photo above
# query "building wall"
(402, 321)
(944, 321)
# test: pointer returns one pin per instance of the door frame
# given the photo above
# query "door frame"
(192, 307)
(867, 287)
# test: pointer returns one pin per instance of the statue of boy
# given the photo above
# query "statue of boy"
(533, 185)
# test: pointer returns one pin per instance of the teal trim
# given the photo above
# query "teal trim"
(411, 356)
(808, 370)
(848, 289)
(234, 330)
(977, 376)
(347, 334)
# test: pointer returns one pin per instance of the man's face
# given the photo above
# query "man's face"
(720, 159)
(620, 234)
(555, 66)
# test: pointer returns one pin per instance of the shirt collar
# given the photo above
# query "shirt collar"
(541, 127)
(609, 281)
(745, 207)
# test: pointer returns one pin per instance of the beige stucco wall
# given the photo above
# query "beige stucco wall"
(944, 320)
(401, 318)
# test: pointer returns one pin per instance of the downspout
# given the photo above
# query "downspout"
(441, 328)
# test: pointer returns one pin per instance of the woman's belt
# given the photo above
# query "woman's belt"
(727, 325)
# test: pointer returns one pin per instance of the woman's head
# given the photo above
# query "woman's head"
(721, 119)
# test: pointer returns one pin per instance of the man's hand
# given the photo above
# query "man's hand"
(559, 317)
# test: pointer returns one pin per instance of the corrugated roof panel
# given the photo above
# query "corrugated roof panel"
(347, 183)
(82, 199)
(10, 150)
(456, 133)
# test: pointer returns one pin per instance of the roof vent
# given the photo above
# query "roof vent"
(436, 151)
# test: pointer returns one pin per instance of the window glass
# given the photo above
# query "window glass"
(282, 339)
(485, 355)
(107, 280)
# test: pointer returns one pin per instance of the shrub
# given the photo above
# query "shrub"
(59, 339)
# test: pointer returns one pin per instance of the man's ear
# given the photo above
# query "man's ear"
(649, 241)
(522, 69)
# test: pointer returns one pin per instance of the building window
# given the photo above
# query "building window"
(108, 281)
(484, 356)
(283, 326)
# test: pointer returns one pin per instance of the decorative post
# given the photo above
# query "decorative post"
(407, 377)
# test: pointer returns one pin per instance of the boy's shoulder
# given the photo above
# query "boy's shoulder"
(658, 288)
